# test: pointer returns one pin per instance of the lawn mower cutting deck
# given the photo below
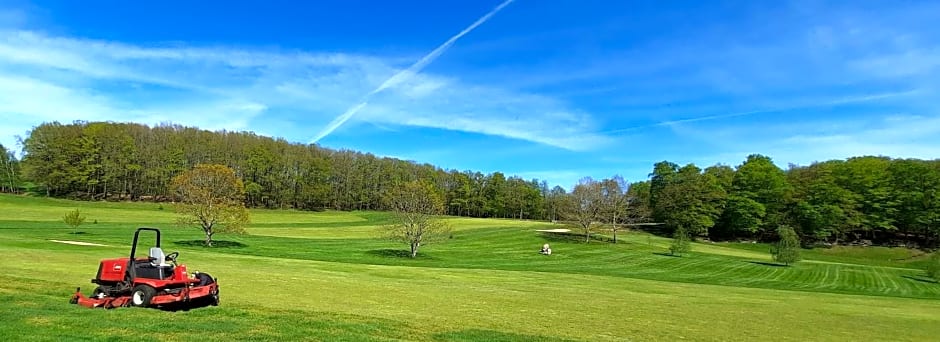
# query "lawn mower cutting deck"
(148, 281)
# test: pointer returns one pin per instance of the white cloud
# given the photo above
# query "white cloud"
(563, 178)
(896, 136)
(907, 63)
(27, 102)
(57, 78)
(27, 97)
(454, 106)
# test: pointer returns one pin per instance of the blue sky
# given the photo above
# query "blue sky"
(553, 90)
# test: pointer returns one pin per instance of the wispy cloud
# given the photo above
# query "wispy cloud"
(902, 136)
(897, 136)
(221, 87)
(907, 63)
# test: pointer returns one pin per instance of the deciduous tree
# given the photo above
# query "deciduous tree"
(763, 183)
(681, 242)
(688, 200)
(212, 197)
(933, 266)
(614, 202)
(9, 170)
(74, 219)
(416, 206)
(787, 249)
(742, 216)
(556, 202)
(638, 202)
(585, 205)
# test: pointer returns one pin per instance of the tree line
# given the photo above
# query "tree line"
(838, 201)
(127, 161)
(878, 199)
(9, 171)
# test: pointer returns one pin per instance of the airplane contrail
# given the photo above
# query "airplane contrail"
(836, 102)
(403, 75)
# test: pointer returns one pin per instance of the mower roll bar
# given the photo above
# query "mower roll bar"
(130, 272)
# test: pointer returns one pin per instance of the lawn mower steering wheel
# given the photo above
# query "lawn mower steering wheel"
(172, 256)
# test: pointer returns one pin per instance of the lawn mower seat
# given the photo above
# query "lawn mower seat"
(157, 258)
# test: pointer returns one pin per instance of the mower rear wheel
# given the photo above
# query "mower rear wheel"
(142, 295)
(204, 279)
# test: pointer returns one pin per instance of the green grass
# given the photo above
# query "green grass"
(326, 276)
(871, 255)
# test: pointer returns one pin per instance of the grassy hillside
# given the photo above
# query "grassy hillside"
(325, 276)
(872, 255)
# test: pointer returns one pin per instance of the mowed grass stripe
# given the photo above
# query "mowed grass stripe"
(454, 301)
(594, 258)
(487, 283)
(505, 245)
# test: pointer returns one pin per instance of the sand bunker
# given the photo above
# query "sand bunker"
(559, 230)
(78, 243)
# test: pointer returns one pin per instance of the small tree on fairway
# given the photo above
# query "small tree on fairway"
(614, 202)
(681, 242)
(787, 250)
(416, 205)
(74, 219)
(212, 197)
(585, 205)
(933, 266)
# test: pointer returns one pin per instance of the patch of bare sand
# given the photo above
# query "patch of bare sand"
(558, 230)
(78, 243)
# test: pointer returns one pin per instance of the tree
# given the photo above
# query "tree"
(555, 202)
(681, 242)
(688, 200)
(916, 189)
(742, 215)
(614, 202)
(213, 197)
(74, 219)
(868, 180)
(585, 205)
(8, 170)
(416, 205)
(494, 192)
(757, 184)
(933, 266)
(822, 208)
(875, 198)
(724, 174)
(787, 249)
(662, 178)
(638, 202)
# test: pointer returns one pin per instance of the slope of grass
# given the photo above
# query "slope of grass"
(272, 298)
(866, 255)
(324, 276)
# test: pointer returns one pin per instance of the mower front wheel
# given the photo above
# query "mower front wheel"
(99, 292)
(142, 295)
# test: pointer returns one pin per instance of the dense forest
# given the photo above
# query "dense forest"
(877, 199)
(125, 161)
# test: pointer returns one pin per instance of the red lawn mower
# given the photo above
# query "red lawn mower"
(148, 282)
